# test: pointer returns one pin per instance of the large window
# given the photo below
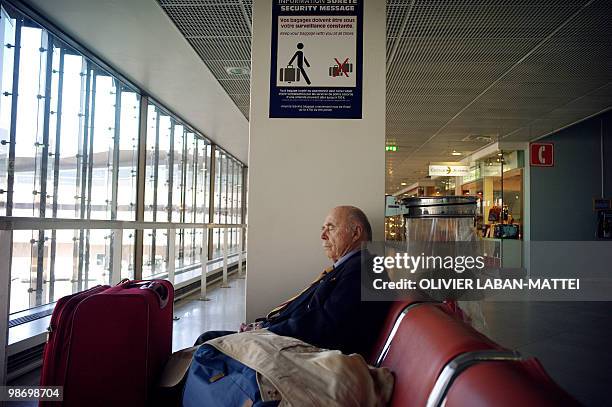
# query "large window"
(69, 128)
(228, 199)
(176, 190)
(497, 182)
(70, 131)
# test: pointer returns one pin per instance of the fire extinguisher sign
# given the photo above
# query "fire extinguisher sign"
(316, 59)
(542, 154)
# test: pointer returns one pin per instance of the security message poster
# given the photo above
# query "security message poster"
(316, 68)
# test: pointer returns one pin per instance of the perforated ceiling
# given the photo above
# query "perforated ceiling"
(220, 32)
(460, 73)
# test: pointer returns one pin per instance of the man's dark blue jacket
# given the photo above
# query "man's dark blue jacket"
(331, 315)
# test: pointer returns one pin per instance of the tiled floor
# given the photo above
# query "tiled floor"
(225, 311)
(572, 340)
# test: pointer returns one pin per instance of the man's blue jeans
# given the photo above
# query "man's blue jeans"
(206, 336)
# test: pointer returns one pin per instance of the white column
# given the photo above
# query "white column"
(6, 239)
(301, 168)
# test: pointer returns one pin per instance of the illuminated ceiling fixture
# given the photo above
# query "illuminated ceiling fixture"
(456, 153)
(237, 70)
(403, 184)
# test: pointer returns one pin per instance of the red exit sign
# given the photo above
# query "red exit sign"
(542, 154)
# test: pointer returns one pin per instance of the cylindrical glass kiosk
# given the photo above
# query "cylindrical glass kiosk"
(440, 219)
(430, 221)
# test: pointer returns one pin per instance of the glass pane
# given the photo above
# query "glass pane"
(21, 264)
(239, 197)
(70, 138)
(152, 158)
(77, 128)
(179, 249)
(189, 244)
(216, 247)
(54, 141)
(177, 174)
(198, 235)
(232, 204)
(98, 258)
(512, 195)
(224, 179)
(76, 157)
(220, 202)
(128, 155)
(66, 264)
(7, 56)
(154, 253)
(200, 181)
(236, 191)
(190, 150)
(208, 181)
(63, 273)
(217, 199)
(127, 254)
(163, 167)
(30, 106)
(236, 204)
(102, 133)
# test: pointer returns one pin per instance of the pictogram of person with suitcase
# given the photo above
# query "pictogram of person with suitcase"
(291, 74)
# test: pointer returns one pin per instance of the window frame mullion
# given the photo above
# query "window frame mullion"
(13, 130)
(56, 164)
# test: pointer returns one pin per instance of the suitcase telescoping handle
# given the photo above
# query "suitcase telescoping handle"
(155, 286)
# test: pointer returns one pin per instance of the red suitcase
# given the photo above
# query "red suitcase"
(108, 345)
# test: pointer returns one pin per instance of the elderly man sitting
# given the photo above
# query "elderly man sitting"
(329, 312)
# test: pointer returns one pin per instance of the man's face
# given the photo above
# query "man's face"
(336, 234)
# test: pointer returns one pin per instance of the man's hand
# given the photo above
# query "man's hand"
(250, 327)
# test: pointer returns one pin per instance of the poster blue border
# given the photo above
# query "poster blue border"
(354, 103)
